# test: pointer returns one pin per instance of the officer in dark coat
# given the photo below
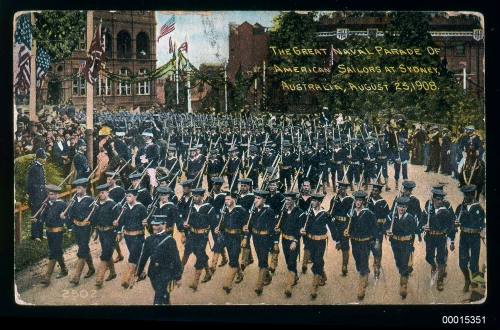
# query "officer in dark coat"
(315, 229)
(165, 268)
(470, 218)
(380, 208)
(402, 227)
(51, 217)
(78, 215)
(233, 218)
(35, 187)
(80, 161)
(438, 224)
(198, 223)
(340, 206)
(362, 230)
(261, 224)
(129, 225)
(104, 213)
(290, 221)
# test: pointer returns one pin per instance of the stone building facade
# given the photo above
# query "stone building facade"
(130, 48)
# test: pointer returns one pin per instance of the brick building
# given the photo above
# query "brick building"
(130, 48)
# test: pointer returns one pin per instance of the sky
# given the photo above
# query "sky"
(207, 33)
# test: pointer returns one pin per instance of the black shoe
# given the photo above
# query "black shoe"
(228, 290)
(111, 277)
(258, 291)
(288, 294)
(313, 296)
(304, 270)
(239, 278)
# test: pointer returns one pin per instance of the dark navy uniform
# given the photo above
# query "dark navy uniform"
(216, 200)
(470, 217)
(173, 165)
(316, 234)
(194, 166)
(403, 230)
(172, 220)
(381, 210)
(151, 153)
(214, 167)
(231, 227)
(337, 161)
(246, 200)
(144, 197)
(77, 215)
(254, 162)
(102, 218)
(363, 232)
(199, 221)
(54, 225)
(291, 223)
(287, 165)
(340, 211)
(165, 265)
(261, 226)
(131, 224)
(232, 166)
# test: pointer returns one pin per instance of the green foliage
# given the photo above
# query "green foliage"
(21, 164)
(59, 32)
(448, 105)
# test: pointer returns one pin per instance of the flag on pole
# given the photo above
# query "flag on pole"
(168, 27)
(170, 46)
(184, 47)
(81, 67)
(334, 58)
(22, 49)
(42, 65)
(94, 58)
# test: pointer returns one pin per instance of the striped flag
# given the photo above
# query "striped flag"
(168, 27)
(184, 47)
(94, 58)
(22, 47)
(42, 65)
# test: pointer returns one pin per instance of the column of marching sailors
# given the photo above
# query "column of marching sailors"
(228, 222)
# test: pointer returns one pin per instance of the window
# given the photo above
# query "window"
(460, 50)
(124, 87)
(78, 84)
(108, 44)
(82, 42)
(124, 44)
(103, 87)
(143, 87)
(142, 42)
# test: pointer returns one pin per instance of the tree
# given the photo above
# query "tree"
(59, 32)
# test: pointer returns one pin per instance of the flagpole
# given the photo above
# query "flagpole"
(176, 74)
(90, 96)
(264, 84)
(225, 86)
(190, 110)
(32, 103)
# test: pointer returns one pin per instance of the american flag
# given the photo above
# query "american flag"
(94, 58)
(168, 27)
(184, 47)
(23, 44)
(81, 67)
(42, 65)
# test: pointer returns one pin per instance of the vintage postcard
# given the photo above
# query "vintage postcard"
(249, 158)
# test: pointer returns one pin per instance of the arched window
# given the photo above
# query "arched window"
(124, 44)
(124, 88)
(143, 88)
(108, 43)
(142, 42)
